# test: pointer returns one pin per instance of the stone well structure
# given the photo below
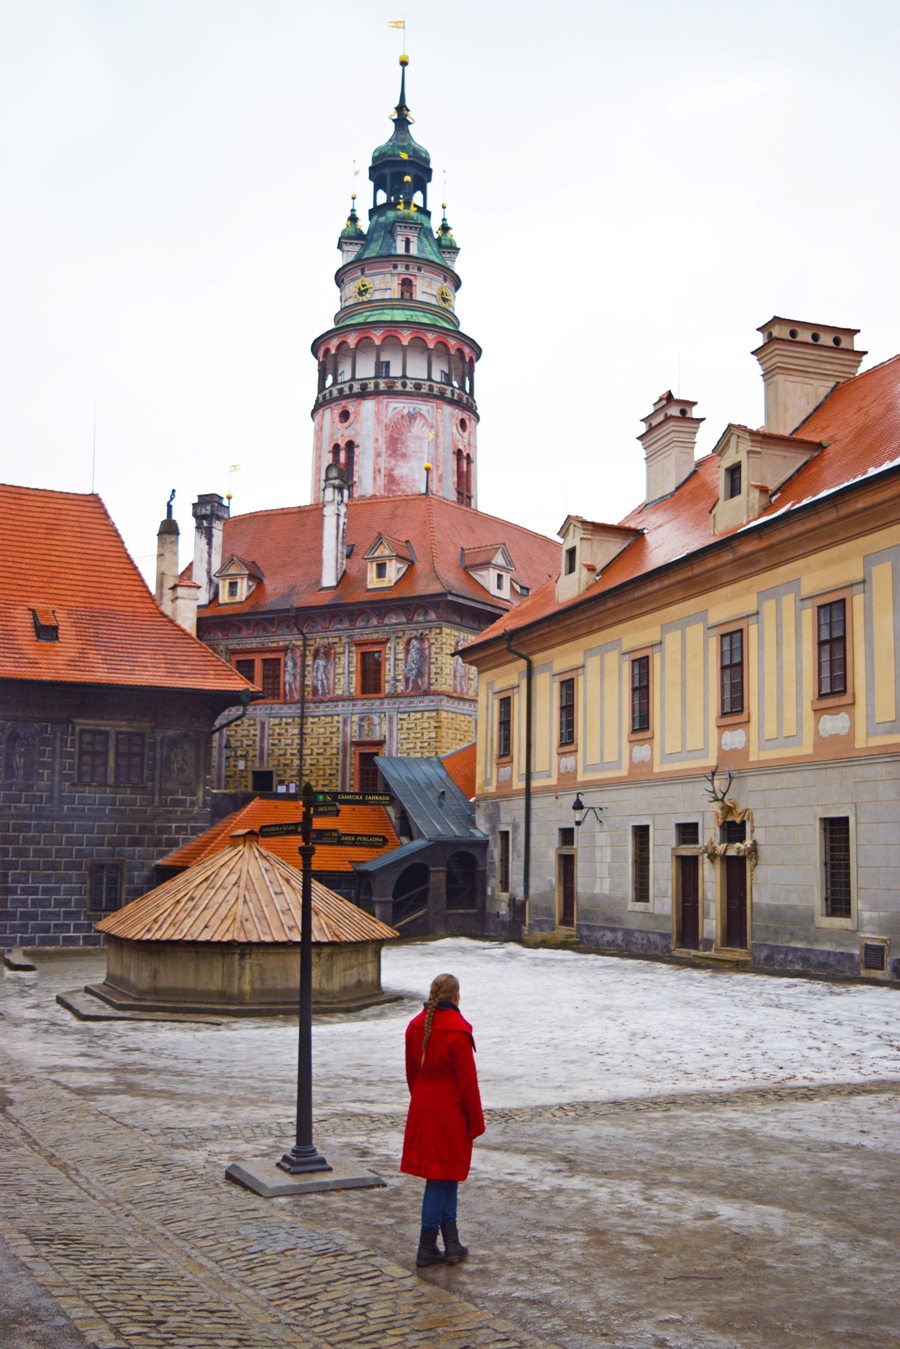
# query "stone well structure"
(224, 936)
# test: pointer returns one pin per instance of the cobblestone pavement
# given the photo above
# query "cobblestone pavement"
(752, 1218)
(140, 1248)
(748, 1218)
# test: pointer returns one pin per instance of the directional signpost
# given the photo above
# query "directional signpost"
(304, 1155)
(336, 837)
(307, 1171)
(355, 798)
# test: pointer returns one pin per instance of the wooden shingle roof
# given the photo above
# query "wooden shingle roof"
(241, 894)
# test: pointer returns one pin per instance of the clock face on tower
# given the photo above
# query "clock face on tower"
(364, 288)
(445, 295)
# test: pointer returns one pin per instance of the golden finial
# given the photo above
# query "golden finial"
(407, 178)
(404, 60)
(428, 467)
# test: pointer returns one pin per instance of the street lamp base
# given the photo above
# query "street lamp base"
(302, 1159)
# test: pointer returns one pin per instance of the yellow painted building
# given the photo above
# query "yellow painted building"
(741, 622)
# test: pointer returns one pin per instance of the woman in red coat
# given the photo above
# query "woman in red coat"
(444, 1115)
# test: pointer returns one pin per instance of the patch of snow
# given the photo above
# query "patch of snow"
(829, 491)
(550, 1027)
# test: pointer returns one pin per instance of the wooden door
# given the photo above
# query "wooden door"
(689, 868)
(567, 889)
(736, 903)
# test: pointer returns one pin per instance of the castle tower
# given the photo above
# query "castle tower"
(396, 384)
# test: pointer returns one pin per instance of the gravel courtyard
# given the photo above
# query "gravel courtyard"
(674, 1157)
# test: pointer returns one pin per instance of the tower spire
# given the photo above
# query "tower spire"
(401, 109)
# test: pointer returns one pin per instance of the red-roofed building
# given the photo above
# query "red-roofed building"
(106, 714)
(332, 862)
(349, 614)
(743, 621)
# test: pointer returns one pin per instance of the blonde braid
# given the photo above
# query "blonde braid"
(444, 986)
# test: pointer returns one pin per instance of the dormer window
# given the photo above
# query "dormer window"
(46, 626)
(387, 560)
(587, 547)
(491, 566)
(733, 481)
(237, 580)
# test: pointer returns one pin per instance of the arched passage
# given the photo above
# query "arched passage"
(461, 868)
(410, 893)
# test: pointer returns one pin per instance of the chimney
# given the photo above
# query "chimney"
(210, 514)
(183, 605)
(335, 495)
(801, 363)
(668, 441)
(166, 558)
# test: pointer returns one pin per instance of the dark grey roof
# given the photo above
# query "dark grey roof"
(435, 805)
(387, 859)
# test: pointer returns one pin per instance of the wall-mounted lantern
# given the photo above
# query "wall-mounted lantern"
(582, 811)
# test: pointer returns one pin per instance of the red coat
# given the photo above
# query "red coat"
(445, 1110)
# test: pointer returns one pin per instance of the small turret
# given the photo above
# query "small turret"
(352, 236)
(446, 242)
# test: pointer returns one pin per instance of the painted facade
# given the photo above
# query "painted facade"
(349, 615)
(763, 648)
(396, 385)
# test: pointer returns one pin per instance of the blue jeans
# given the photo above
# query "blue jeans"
(439, 1203)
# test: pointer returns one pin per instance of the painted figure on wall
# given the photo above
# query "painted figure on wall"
(292, 674)
(462, 675)
(179, 773)
(368, 727)
(415, 666)
(20, 756)
(323, 672)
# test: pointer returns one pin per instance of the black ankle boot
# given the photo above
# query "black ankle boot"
(428, 1252)
(454, 1250)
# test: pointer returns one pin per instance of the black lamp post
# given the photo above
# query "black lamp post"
(304, 1156)
(582, 811)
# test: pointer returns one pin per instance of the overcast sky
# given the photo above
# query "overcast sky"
(635, 188)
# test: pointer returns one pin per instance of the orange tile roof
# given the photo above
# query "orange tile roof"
(60, 551)
(461, 767)
(859, 423)
(287, 544)
(328, 857)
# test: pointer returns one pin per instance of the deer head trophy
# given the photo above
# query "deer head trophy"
(714, 793)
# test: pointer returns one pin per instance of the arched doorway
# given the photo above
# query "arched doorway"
(461, 881)
(410, 894)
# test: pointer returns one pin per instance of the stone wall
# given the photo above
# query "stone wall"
(52, 828)
(786, 806)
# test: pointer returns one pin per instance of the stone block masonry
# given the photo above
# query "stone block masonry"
(57, 831)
